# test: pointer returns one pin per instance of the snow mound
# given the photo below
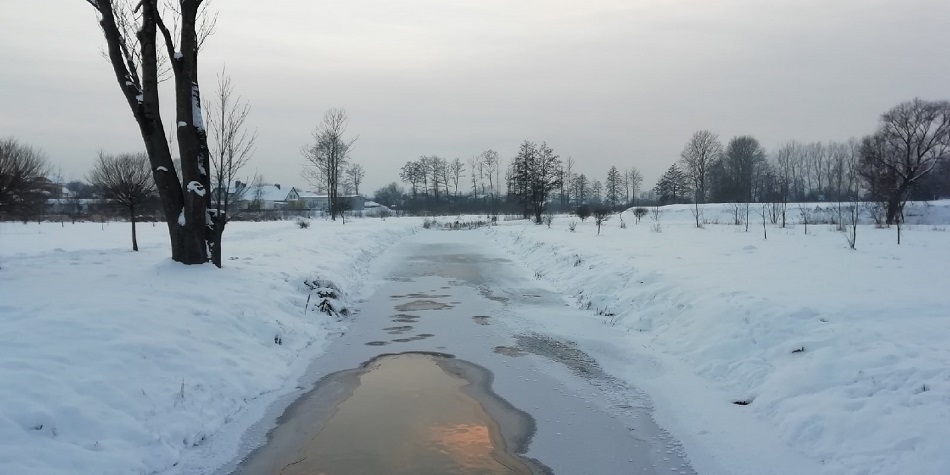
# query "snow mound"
(842, 353)
(122, 362)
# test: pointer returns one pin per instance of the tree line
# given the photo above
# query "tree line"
(905, 158)
(533, 182)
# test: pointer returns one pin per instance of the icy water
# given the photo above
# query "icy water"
(446, 368)
(410, 413)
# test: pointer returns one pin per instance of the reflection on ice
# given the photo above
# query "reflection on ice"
(408, 413)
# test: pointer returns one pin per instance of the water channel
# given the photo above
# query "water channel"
(389, 398)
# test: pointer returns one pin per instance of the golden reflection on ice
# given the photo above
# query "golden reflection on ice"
(407, 415)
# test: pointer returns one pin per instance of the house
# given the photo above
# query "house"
(264, 197)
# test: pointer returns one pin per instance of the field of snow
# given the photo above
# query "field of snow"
(113, 361)
(842, 354)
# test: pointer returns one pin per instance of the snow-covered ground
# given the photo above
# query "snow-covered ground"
(119, 362)
(842, 354)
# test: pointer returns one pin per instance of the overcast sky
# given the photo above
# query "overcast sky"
(608, 82)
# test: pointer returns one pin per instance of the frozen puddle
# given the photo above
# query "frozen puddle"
(411, 413)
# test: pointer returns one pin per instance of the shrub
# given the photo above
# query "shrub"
(639, 213)
(583, 212)
(303, 223)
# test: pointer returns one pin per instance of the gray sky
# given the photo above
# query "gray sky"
(608, 82)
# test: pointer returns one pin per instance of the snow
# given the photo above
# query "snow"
(139, 98)
(196, 188)
(121, 362)
(161, 169)
(182, 123)
(704, 317)
(178, 55)
(196, 107)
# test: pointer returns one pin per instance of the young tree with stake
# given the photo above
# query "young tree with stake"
(231, 147)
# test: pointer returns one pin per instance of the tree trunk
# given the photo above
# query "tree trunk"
(135, 241)
(216, 238)
(893, 208)
(185, 213)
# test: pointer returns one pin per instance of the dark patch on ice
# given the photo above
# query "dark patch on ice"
(405, 318)
(509, 351)
(426, 296)
(422, 305)
(398, 330)
(376, 343)
(481, 319)
(742, 402)
(561, 351)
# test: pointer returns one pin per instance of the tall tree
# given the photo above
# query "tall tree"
(740, 160)
(354, 176)
(456, 169)
(596, 192)
(913, 138)
(22, 169)
(613, 185)
(698, 155)
(125, 179)
(231, 147)
(491, 164)
(131, 31)
(327, 156)
(673, 186)
(634, 181)
(579, 183)
(412, 174)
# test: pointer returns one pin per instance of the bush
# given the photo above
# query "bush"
(303, 223)
(639, 213)
(583, 212)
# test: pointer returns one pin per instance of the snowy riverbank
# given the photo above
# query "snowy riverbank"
(120, 362)
(842, 354)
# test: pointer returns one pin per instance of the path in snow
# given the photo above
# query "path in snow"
(448, 293)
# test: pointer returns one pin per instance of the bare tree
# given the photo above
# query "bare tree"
(456, 169)
(702, 150)
(492, 166)
(327, 156)
(475, 165)
(613, 184)
(785, 159)
(125, 179)
(634, 180)
(913, 138)
(231, 147)
(22, 169)
(853, 191)
(567, 180)
(817, 161)
(354, 176)
(131, 30)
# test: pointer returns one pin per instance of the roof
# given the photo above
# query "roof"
(267, 193)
